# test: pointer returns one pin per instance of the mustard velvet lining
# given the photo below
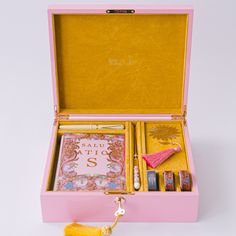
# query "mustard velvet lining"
(145, 144)
(120, 63)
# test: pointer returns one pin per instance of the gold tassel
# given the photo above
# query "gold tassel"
(83, 230)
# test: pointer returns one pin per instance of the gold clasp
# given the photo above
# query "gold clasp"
(120, 201)
(120, 11)
(113, 192)
(107, 230)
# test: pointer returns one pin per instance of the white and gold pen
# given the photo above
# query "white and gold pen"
(91, 127)
(136, 164)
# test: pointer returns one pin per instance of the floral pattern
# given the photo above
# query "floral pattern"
(68, 179)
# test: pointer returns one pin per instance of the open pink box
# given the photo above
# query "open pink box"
(129, 65)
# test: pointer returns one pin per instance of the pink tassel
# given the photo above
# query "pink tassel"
(155, 159)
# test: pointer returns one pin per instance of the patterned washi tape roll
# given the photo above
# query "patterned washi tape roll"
(169, 181)
(185, 180)
(152, 177)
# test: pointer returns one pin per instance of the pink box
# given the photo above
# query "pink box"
(97, 206)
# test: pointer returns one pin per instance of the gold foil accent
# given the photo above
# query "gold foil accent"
(164, 132)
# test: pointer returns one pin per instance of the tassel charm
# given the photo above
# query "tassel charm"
(84, 230)
(165, 135)
(155, 159)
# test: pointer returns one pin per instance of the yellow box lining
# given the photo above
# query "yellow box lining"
(145, 144)
(110, 64)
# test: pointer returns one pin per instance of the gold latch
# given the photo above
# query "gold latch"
(120, 11)
(112, 192)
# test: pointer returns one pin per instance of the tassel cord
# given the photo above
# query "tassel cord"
(115, 222)
(173, 143)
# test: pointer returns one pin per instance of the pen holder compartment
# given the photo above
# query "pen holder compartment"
(136, 140)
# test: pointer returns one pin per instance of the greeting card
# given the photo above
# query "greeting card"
(91, 162)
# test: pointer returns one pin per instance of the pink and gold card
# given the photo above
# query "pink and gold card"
(91, 162)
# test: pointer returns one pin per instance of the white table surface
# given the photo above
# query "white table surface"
(26, 117)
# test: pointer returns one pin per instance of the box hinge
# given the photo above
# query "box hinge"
(59, 116)
(180, 117)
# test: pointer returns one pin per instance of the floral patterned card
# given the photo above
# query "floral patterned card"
(91, 162)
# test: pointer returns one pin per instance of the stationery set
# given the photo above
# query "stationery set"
(120, 134)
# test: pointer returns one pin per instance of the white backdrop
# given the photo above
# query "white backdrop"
(26, 115)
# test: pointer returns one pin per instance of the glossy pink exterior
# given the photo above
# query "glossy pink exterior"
(140, 207)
